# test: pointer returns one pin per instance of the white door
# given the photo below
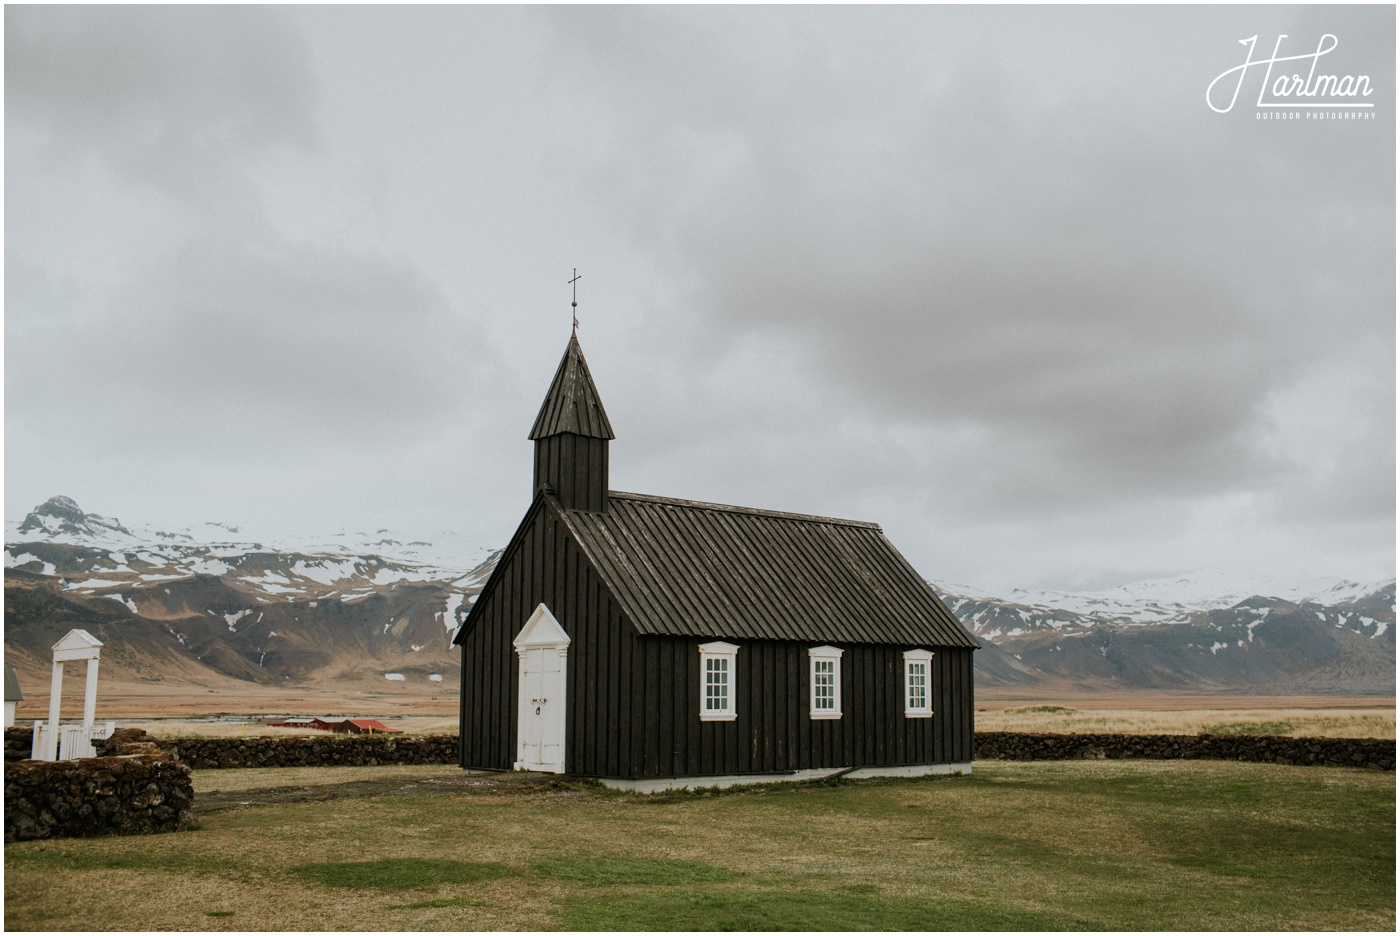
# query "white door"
(544, 655)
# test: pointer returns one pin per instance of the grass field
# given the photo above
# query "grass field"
(1290, 722)
(1105, 845)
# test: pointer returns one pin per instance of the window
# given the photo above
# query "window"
(717, 661)
(826, 681)
(918, 688)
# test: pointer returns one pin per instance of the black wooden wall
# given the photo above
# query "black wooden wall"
(576, 467)
(774, 730)
(633, 702)
(544, 564)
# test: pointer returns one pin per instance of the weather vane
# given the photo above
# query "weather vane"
(574, 283)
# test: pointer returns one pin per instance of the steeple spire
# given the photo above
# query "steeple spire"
(571, 435)
(572, 403)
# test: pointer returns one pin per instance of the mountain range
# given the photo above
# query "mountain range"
(190, 606)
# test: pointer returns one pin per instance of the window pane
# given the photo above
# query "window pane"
(824, 685)
(716, 685)
(918, 685)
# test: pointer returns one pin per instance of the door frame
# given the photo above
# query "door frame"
(543, 633)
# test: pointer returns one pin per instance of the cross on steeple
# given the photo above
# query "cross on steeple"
(574, 283)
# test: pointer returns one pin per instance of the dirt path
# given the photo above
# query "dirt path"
(499, 784)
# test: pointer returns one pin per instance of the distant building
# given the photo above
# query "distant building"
(363, 726)
(342, 725)
(656, 642)
(12, 696)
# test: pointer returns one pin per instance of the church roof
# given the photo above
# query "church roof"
(572, 404)
(686, 568)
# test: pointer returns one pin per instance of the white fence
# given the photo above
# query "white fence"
(74, 740)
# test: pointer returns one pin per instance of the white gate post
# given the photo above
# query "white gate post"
(50, 750)
(90, 696)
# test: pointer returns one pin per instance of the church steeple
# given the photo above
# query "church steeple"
(571, 435)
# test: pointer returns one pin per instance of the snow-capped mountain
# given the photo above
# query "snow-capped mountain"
(1318, 636)
(93, 555)
(197, 599)
(1160, 601)
(387, 605)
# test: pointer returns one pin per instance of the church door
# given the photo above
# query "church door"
(543, 648)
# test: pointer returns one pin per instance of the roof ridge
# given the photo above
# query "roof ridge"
(754, 511)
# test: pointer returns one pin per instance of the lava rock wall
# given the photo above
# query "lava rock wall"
(127, 795)
(1377, 754)
(19, 743)
(211, 753)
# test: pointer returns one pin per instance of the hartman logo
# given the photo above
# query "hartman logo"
(1293, 92)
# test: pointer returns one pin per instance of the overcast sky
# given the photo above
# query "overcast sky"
(997, 279)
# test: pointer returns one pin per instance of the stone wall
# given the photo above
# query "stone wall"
(328, 751)
(125, 795)
(18, 743)
(339, 750)
(318, 751)
(1334, 752)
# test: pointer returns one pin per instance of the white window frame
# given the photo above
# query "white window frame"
(911, 658)
(727, 656)
(825, 655)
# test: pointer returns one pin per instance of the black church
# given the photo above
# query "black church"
(654, 642)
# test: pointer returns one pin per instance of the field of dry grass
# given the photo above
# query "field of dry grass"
(1291, 722)
(1108, 845)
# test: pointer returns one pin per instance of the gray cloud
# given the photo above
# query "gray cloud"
(997, 278)
(984, 254)
(164, 95)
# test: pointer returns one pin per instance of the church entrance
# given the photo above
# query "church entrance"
(543, 647)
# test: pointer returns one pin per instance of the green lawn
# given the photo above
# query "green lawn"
(1104, 845)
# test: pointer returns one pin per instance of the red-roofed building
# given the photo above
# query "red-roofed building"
(364, 726)
(343, 725)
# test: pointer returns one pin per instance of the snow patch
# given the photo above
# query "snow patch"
(126, 601)
(25, 559)
(233, 619)
(325, 571)
(449, 617)
(435, 677)
(396, 677)
(89, 583)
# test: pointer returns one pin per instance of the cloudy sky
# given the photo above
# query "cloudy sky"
(997, 279)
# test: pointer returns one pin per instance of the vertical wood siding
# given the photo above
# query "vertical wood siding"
(576, 467)
(774, 730)
(544, 565)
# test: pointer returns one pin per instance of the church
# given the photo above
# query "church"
(657, 643)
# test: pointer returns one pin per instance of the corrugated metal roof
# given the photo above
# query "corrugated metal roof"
(572, 403)
(12, 693)
(687, 568)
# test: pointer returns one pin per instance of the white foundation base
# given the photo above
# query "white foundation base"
(662, 784)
